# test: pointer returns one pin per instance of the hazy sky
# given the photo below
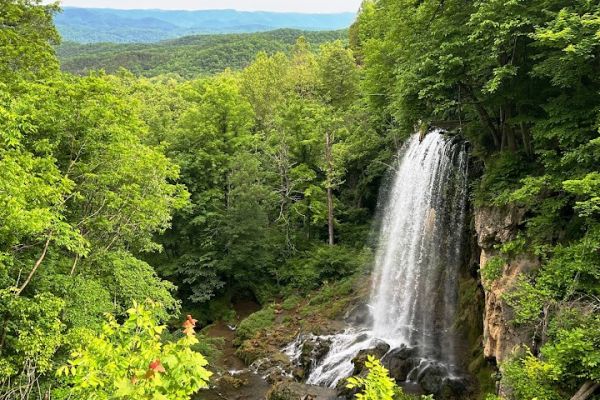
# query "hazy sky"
(312, 6)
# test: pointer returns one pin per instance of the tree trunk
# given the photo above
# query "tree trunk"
(75, 261)
(484, 116)
(525, 136)
(35, 267)
(586, 390)
(328, 156)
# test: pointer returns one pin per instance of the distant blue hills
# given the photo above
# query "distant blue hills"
(93, 25)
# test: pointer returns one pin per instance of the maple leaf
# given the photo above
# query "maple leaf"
(189, 325)
(154, 368)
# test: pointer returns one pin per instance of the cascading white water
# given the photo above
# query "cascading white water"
(414, 294)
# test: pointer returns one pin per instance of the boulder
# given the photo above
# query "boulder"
(312, 352)
(378, 351)
(359, 316)
(456, 389)
(435, 379)
(400, 361)
(273, 368)
(431, 378)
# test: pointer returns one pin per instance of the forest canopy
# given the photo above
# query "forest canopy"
(251, 168)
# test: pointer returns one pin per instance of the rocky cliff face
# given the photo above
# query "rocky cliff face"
(495, 226)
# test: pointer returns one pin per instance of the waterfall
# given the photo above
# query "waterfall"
(415, 286)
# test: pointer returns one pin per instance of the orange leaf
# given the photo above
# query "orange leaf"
(188, 325)
(156, 366)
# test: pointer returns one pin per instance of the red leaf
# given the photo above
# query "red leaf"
(156, 366)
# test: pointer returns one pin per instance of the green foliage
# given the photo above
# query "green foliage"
(260, 320)
(377, 385)
(26, 39)
(520, 81)
(569, 358)
(83, 193)
(130, 361)
(224, 183)
(31, 334)
(503, 173)
(321, 264)
(129, 280)
(251, 148)
(492, 270)
(530, 378)
(291, 302)
(339, 75)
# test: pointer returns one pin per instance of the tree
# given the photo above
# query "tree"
(26, 40)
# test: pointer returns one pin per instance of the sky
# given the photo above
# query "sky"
(308, 6)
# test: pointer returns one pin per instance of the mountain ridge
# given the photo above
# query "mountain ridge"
(95, 25)
(188, 56)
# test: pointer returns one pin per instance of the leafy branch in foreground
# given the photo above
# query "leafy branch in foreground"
(378, 385)
(130, 361)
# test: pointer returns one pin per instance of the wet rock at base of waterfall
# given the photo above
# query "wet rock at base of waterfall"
(345, 392)
(456, 389)
(274, 368)
(313, 351)
(400, 361)
(359, 316)
(234, 381)
(434, 379)
(378, 352)
(431, 378)
(288, 390)
(299, 373)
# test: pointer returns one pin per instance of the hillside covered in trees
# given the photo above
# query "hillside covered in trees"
(138, 210)
(93, 25)
(188, 57)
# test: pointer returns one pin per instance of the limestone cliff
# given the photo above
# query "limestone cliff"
(495, 226)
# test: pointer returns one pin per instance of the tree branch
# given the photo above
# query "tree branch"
(35, 267)
(586, 390)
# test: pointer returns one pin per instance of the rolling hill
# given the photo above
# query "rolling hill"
(189, 56)
(93, 25)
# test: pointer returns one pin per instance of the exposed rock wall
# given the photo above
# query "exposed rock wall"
(495, 226)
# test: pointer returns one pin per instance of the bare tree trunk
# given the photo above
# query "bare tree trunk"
(35, 267)
(328, 156)
(74, 264)
(586, 390)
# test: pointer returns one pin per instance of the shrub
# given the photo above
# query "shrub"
(377, 385)
(255, 322)
(492, 270)
(130, 361)
(291, 302)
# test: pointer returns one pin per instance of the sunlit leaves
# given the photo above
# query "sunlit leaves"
(131, 361)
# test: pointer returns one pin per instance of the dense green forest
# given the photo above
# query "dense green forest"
(127, 202)
(188, 57)
(94, 25)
